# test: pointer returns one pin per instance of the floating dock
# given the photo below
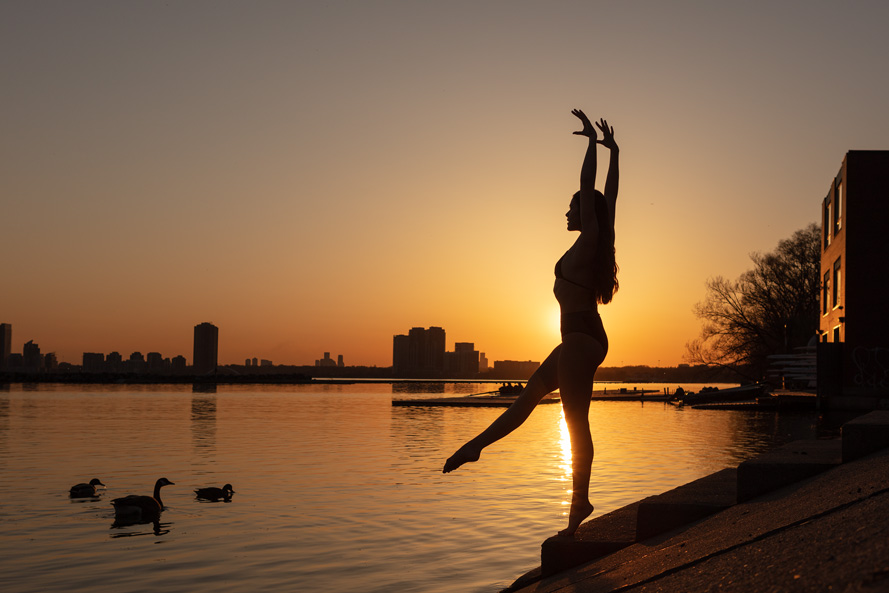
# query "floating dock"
(504, 401)
(471, 401)
(778, 400)
(623, 394)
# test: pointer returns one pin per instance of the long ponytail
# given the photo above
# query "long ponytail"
(605, 266)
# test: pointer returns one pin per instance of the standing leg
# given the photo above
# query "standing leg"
(544, 380)
(580, 357)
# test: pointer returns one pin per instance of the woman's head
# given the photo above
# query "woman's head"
(575, 222)
(573, 214)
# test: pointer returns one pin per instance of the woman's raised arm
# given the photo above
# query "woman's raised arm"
(587, 173)
(613, 177)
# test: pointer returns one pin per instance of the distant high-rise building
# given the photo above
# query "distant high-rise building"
(463, 361)
(420, 353)
(514, 370)
(482, 362)
(206, 348)
(417, 352)
(435, 349)
(5, 343)
(93, 362)
(327, 361)
(401, 354)
(114, 362)
(155, 361)
(339, 360)
(31, 356)
(136, 363)
(255, 361)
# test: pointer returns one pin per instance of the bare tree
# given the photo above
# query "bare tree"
(770, 309)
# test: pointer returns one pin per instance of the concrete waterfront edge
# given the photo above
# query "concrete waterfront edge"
(785, 465)
(687, 504)
(865, 435)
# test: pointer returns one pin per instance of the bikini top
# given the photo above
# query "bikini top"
(571, 295)
(561, 276)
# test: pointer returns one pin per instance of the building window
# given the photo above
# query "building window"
(827, 222)
(838, 209)
(836, 334)
(825, 293)
(837, 276)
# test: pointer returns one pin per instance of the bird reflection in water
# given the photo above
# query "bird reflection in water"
(157, 528)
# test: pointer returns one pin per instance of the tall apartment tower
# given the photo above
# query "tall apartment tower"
(463, 362)
(206, 348)
(854, 324)
(435, 349)
(401, 354)
(33, 359)
(421, 353)
(5, 343)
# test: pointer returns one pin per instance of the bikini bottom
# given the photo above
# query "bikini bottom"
(585, 322)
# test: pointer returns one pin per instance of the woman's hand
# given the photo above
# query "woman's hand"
(607, 135)
(588, 130)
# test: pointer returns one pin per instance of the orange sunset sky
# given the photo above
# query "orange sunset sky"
(319, 176)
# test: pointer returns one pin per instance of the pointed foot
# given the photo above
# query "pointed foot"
(464, 454)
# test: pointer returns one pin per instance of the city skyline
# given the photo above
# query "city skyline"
(422, 351)
(312, 176)
(205, 340)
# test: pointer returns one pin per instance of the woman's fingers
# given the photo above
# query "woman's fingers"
(588, 129)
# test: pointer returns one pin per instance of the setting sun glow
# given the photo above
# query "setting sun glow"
(313, 177)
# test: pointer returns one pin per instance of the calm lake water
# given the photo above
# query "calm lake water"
(336, 489)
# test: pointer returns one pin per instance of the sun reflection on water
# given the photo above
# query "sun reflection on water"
(565, 447)
(565, 465)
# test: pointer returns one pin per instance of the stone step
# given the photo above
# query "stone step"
(785, 465)
(865, 435)
(687, 503)
(596, 538)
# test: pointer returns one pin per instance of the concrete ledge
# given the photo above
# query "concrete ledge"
(849, 402)
(596, 538)
(687, 503)
(865, 435)
(785, 465)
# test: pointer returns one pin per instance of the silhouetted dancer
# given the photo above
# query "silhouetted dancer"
(586, 276)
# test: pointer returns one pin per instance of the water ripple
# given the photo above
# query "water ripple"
(336, 490)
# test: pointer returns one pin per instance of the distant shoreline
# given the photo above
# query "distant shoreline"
(291, 375)
(271, 379)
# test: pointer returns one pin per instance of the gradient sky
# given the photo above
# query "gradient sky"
(319, 176)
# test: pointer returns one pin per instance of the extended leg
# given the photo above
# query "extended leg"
(544, 380)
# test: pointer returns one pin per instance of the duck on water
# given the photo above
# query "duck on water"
(215, 494)
(84, 490)
(135, 508)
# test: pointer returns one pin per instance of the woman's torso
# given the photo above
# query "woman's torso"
(574, 276)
